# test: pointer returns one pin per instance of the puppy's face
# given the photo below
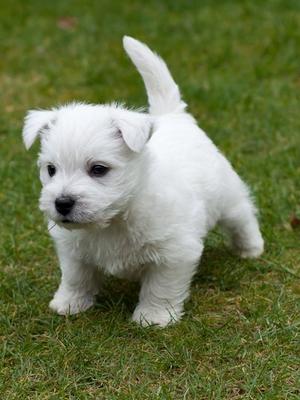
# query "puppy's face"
(90, 162)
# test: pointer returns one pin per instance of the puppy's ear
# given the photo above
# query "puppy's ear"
(35, 122)
(135, 129)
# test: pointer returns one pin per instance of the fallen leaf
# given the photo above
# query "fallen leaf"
(67, 23)
(295, 221)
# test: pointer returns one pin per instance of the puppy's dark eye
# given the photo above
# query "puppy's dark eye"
(98, 170)
(51, 170)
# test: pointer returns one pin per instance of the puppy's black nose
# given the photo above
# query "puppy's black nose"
(64, 205)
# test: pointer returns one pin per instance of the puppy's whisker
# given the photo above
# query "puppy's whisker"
(52, 227)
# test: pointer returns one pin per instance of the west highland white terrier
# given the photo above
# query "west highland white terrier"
(134, 194)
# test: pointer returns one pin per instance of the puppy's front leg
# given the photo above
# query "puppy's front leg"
(78, 287)
(163, 292)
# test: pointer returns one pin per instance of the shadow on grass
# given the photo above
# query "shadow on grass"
(117, 293)
(219, 268)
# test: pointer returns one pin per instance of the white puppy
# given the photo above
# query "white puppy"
(134, 195)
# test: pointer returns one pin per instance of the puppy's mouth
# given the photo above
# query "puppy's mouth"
(71, 224)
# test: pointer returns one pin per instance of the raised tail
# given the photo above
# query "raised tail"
(163, 93)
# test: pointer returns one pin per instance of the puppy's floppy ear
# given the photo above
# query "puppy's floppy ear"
(135, 129)
(35, 122)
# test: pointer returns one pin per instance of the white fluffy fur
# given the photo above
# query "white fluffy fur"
(148, 217)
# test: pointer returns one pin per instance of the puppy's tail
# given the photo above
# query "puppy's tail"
(163, 93)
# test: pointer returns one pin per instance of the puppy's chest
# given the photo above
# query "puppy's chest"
(118, 253)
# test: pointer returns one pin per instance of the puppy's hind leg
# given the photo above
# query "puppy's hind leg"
(240, 221)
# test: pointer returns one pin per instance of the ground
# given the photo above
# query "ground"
(237, 63)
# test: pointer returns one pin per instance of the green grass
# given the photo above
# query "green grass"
(237, 63)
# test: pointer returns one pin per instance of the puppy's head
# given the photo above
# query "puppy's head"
(90, 160)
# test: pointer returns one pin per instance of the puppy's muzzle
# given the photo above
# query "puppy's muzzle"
(64, 205)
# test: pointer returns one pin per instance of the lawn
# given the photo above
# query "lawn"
(237, 63)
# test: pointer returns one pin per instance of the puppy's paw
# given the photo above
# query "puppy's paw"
(251, 251)
(71, 305)
(147, 315)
